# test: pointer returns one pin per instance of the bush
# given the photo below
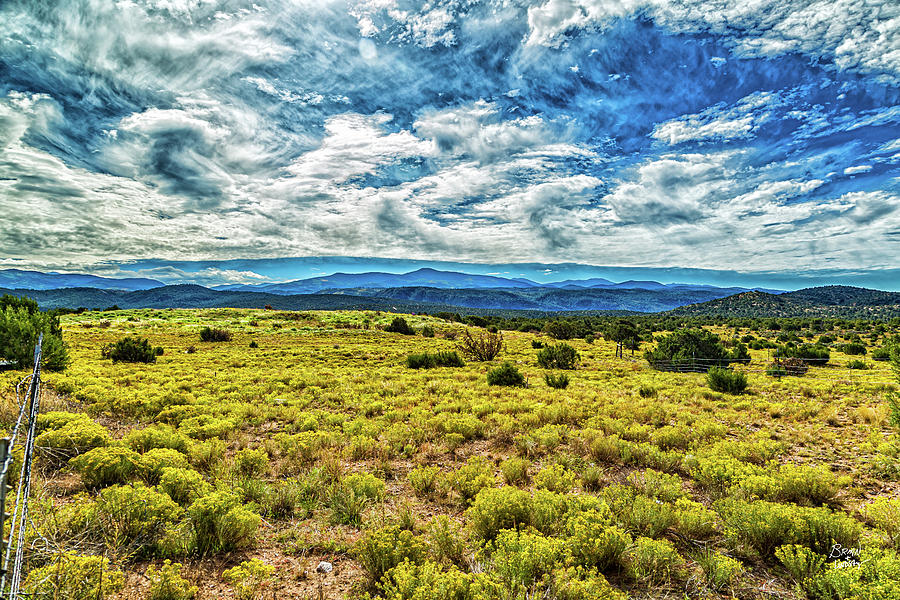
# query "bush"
(155, 460)
(653, 561)
(183, 485)
(251, 462)
(73, 438)
(157, 436)
(857, 364)
(423, 480)
(496, 509)
(447, 540)
(248, 578)
(214, 334)
(481, 347)
(853, 348)
(427, 360)
(428, 331)
(506, 375)
(520, 559)
(21, 323)
(381, 550)
(537, 344)
(73, 577)
(558, 356)
(472, 477)
(364, 485)
(219, 523)
(106, 466)
(808, 353)
(131, 350)
(515, 470)
(767, 525)
(166, 583)
(133, 519)
(721, 571)
(399, 325)
(726, 381)
(690, 349)
(595, 542)
(555, 478)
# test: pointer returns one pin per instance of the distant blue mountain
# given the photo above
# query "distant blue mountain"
(35, 280)
(425, 277)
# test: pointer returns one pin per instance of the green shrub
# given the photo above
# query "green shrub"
(157, 436)
(857, 364)
(766, 525)
(105, 466)
(472, 477)
(248, 578)
(219, 523)
(800, 484)
(653, 561)
(21, 323)
(429, 581)
(364, 485)
(130, 350)
(154, 461)
(399, 325)
(853, 349)
(69, 576)
(558, 381)
(694, 521)
(58, 419)
(426, 360)
(428, 331)
(515, 470)
(537, 344)
(522, 559)
(776, 369)
(381, 550)
(594, 542)
(423, 480)
(496, 509)
(133, 518)
(722, 572)
(75, 437)
(166, 583)
(576, 583)
(647, 391)
(693, 349)
(446, 540)
(555, 478)
(251, 462)
(884, 513)
(726, 381)
(665, 487)
(214, 334)
(183, 485)
(558, 356)
(481, 347)
(506, 375)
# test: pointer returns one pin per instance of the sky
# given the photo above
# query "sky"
(141, 137)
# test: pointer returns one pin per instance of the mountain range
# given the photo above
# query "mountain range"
(36, 280)
(833, 301)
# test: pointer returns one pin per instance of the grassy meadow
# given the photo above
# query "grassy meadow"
(237, 466)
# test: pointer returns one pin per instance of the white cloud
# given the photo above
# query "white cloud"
(857, 169)
(721, 123)
(851, 35)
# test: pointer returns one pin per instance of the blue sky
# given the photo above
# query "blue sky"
(734, 136)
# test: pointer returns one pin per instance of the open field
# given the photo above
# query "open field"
(320, 444)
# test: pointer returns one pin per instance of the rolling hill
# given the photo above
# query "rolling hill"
(822, 302)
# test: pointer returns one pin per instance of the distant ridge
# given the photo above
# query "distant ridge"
(36, 280)
(826, 301)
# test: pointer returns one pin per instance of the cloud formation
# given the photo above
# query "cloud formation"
(633, 132)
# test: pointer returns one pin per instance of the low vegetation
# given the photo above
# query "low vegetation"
(234, 471)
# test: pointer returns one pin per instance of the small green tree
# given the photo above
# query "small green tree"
(623, 333)
(558, 356)
(506, 374)
(21, 324)
(399, 325)
(132, 350)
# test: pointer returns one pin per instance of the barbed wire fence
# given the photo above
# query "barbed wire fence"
(12, 547)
